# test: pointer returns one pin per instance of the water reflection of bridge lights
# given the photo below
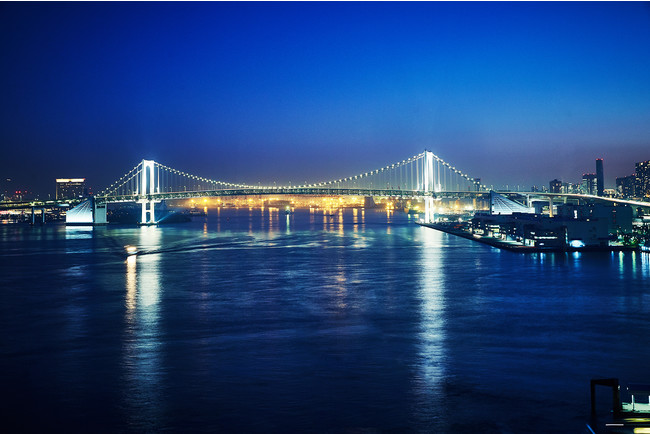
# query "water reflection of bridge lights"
(431, 364)
(141, 355)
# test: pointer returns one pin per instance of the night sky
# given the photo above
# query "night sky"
(260, 92)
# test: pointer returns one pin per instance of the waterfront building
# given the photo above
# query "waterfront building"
(70, 188)
(643, 179)
(572, 226)
(542, 231)
(600, 177)
(618, 217)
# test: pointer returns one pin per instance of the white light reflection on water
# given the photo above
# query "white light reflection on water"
(621, 263)
(74, 233)
(431, 366)
(141, 351)
(645, 264)
(78, 232)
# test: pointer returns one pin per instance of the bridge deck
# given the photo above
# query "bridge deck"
(271, 191)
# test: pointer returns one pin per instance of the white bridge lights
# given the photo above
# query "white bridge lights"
(150, 184)
(429, 186)
(423, 175)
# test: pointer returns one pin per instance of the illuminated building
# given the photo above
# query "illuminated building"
(555, 186)
(589, 184)
(643, 179)
(70, 188)
(568, 187)
(626, 186)
(600, 180)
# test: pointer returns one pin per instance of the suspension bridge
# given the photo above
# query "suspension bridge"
(421, 176)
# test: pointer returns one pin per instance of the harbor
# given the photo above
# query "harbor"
(509, 225)
(517, 246)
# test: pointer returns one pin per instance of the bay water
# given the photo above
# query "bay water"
(250, 320)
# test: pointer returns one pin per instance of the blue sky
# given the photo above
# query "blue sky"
(514, 93)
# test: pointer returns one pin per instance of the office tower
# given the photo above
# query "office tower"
(555, 186)
(589, 183)
(600, 180)
(643, 179)
(70, 188)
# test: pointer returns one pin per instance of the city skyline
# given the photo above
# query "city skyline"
(515, 94)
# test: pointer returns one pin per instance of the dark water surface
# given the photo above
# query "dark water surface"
(359, 322)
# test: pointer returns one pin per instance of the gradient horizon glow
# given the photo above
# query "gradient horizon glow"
(513, 93)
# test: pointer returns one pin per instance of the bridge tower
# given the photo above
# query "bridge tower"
(150, 184)
(429, 186)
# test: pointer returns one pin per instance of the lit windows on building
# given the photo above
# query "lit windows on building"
(625, 186)
(589, 184)
(70, 188)
(643, 179)
(555, 186)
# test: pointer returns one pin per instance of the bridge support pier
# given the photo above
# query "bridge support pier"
(148, 212)
(99, 214)
(88, 212)
(34, 216)
(428, 210)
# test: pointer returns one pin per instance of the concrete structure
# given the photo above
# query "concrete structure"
(618, 218)
(573, 226)
(500, 204)
(542, 231)
(88, 212)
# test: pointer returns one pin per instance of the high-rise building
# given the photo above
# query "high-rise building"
(600, 178)
(626, 186)
(555, 186)
(589, 184)
(70, 188)
(643, 179)
(570, 188)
